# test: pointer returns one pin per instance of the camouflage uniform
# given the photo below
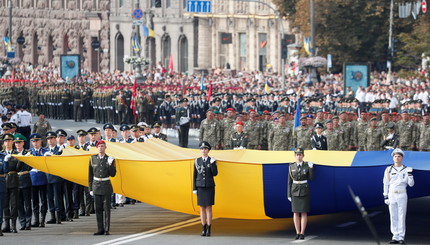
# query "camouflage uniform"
(373, 139)
(424, 136)
(254, 132)
(302, 137)
(210, 132)
(360, 134)
(408, 134)
(333, 139)
(227, 129)
(280, 138)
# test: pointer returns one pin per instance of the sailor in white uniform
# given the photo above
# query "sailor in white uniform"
(396, 178)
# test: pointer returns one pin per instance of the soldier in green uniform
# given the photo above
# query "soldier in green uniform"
(332, 135)
(299, 173)
(280, 138)
(360, 130)
(373, 136)
(408, 132)
(157, 132)
(302, 135)
(424, 133)
(239, 139)
(227, 129)
(253, 129)
(210, 130)
(101, 168)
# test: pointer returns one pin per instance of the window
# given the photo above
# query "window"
(167, 3)
(242, 51)
(156, 3)
(121, 3)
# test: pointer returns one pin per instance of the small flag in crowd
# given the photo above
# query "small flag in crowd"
(267, 87)
(133, 99)
(202, 83)
(148, 32)
(297, 115)
(136, 43)
(171, 67)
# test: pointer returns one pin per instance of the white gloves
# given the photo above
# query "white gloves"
(48, 154)
(60, 150)
(28, 154)
(289, 199)
(91, 193)
(410, 170)
(110, 160)
(195, 192)
(310, 164)
(314, 149)
(116, 111)
(387, 201)
(7, 157)
(390, 136)
(81, 105)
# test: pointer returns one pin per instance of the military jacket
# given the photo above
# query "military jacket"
(280, 138)
(210, 131)
(333, 139)
(227, 129)
(204, 172)
(319, 142)
(13, 167)
(24, 174)
(302, 137)
(298, 179)
(373, 139)
(391, 143)
(254, 132)
(160, 136)
(239, 140)
(52, 179)
(99, 168)
(407, 133)
(38, 177)
(3, 172)
(424, 136)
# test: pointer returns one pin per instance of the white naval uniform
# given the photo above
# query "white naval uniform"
(396, 179)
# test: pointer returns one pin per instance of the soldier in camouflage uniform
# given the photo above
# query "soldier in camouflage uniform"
(333, 136)
(227, 129)
(253, 129)
(359, 132)
(266, 125)
(424, 134)
(302, 135)
(348, 132)
(281, 138)
(373, 136)
(210, 130)
(407, 132)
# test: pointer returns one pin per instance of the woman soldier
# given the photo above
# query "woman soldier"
(299, 173)
(204, 186)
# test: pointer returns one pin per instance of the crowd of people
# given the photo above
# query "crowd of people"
(242, 111)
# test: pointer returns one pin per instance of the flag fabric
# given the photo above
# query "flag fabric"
(7, 44)
(148, 32)
(210, 91)
(136, 43)
(133, 100)
(202, 83)
(267, 87)
(297, 115)
(307, 45)
(171, 67)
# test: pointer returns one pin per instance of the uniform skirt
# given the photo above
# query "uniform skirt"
(205, 196)
(301, 204)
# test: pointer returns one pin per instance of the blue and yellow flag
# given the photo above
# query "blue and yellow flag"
(148, 32)
(7, 44)
(267, 87)
(136, 44)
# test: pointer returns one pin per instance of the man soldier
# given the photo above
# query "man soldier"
(65, 100)
(82, 140)
(77, 105)
(135, 135)
(157, 132)
(108, 130)
(55, 184)
(333, 137)
(101, 168)
(93, 134)
(239, 139)
(210, 130)
(183, 122)
(121, 106)
(280, 137)
(319, 141)
(252, 127)
(396, 178)
(227, 129)
(392, 139)
(125, 134)
(424, 133)
(302, 135)
(408, 132)
(24, 207)
(373, 136)
(12, 183)
(39, 184)
(360, 130)
(166, 112)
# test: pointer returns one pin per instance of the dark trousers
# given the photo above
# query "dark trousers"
(1, 207)
(40, 201)
(11, 204)
(55, 198)
(102, 205)
(183, 135)
(78, 195)
(24, 208)
(68, 194)
(89, 201)
(26, 131)
(77, 110)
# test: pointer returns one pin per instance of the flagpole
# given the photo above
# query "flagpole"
(10, 21)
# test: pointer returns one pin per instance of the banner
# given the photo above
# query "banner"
(70, 66)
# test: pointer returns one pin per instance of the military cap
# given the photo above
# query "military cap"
(299, 151)
(51, 135)
(328, 121)
(142, 124)
(390, 125)
(310, 116)
(13, 125)
(204, 144)
(320, 110)
(108, 126)
(266, 112)
(217, 99)
(403, 111)
(167, 96)
(335, 117)
(231, 109)
(203, 94)
(303, 118)
(35, 137)
(93, 130)
(100, 142)
(397, 151)
(252, 110)
(426, 114)
(61, 132)
(373, 119)
(124, 127)
(134, 128)
(19, 138)
(239, 123)
(82, 132)
(156, 125)
(319, 125)
(6, 126)
(8, 137)
(71, 137)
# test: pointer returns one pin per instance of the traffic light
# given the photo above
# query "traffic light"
(287, 40)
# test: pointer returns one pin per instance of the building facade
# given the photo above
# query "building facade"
(239, 35)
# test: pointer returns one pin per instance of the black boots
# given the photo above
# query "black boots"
(14, 230)
(6, 225)
(58, 217)
(36, 221)
(206, 230)
(204, 227)
(42, 221)
(52, 220)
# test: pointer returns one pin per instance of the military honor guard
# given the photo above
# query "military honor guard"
(392, 139)
(108, 130)
(125, 134)
(183, 118)
(205, 169)
(239, 139)
(93, 135)
(319, 141)
(157, 132)
(135, 135)
(396, 178)
(3, 172)
(299, 173)
(101, 168)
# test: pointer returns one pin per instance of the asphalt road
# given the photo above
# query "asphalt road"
(145, 224)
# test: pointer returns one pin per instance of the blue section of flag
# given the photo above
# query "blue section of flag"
(297, 115)
(202, 83)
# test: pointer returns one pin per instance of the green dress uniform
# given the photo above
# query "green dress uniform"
(298, 186)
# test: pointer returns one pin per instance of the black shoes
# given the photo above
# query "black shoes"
(98, 233)
(107, 233)
(297, 237)
(208, 231)
(302, 237)
(401, 242)
(394, 242)
(204, 228)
